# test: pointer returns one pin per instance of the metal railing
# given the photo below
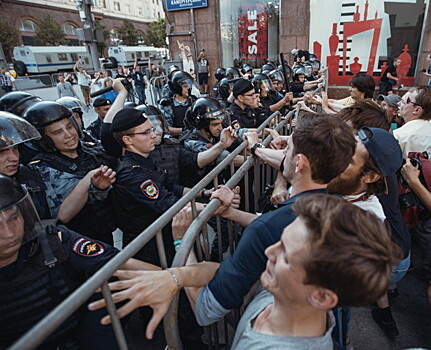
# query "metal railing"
(35, 336)
(154, 90)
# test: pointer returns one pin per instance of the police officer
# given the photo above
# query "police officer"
(16, 131)
(174, 109)
(77, 106)
(39, 267)
(246, 101)
(101, 107)
(167, 91)
(16, 102)
(219, 75)
(65, 160)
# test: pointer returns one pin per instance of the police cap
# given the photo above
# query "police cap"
(128, 118)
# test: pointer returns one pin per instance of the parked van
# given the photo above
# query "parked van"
(49, 59)
(126, 55)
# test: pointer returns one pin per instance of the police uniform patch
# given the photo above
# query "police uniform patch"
(235, 125)
(150, 189)
(85, 247)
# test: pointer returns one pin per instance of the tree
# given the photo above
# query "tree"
(156, 34)
(8, 38)
(101, 46)
(49, 32)
(128, 34)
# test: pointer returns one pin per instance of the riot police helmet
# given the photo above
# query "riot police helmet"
(73, 103)
(299, 71)
(220, 73)
(246, 69)
(232, 73)
(16, 102)
(172, 69)
(205, 110)
(15, 130)
(179, 79)
(267, 67)
(43, 113)
(262, 80)
(313, 57)
(155, 116)
(18, 215)
(276, 75)
(130, 104)
(316, 65)
(308, 66)
(225, 87)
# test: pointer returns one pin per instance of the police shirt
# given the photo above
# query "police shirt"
(247, 118)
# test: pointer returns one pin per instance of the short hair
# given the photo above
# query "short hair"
(118, 136)
(423, 99)
(327, 142)
(364, 83)
(351, 251)
(365, 113)
(378, 187)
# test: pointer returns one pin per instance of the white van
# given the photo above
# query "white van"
(126, 55)
(49, 59)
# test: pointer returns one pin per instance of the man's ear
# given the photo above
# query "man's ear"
(371, 177)
(301, 162)
(323, 299)
(127, 140)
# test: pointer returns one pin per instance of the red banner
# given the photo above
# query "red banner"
(253, 32)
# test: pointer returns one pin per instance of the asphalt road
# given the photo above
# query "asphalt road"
(411, 310)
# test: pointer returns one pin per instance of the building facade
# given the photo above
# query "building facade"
(24, 15)
(348, 36)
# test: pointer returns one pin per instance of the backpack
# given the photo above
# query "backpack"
(412, 209)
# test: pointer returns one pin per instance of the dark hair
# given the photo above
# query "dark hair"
(364, 83)
(378, 187)
(118, 136)
(423, 99)
(327, 142)
(365, 113)
(351, 251)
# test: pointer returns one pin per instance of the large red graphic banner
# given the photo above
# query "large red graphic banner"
(253, 32)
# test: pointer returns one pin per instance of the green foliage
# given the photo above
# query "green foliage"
(9, 38)
(102, 45)
(128, 34)
(156, 34)
(49, 32)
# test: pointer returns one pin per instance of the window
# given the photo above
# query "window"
(158, 15)
(28, 25)
(69, 29)
(74, 57)
(133, 56)
(140, 13)
(22, 53)
(101, 3)
(62, 56)
(139, 54)
(48, 58)
(117, 6)
(127, 8)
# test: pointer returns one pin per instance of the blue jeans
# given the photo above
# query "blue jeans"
(140, 91)
(399, 271)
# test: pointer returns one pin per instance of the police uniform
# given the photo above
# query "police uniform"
(61, 174)
(46, 271)
(247, 118)
(174, 111)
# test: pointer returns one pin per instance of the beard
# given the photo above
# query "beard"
(345, 186)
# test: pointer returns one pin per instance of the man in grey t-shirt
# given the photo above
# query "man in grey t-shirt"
(203, 72)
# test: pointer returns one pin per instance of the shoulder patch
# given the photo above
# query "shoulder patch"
(85, 247)
(235, 125)
(150, 189)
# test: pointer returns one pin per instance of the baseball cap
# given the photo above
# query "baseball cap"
(128, 118)
(294, 51)
(391, 100)
(383, 147)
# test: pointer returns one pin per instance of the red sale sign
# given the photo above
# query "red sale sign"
(253, 32)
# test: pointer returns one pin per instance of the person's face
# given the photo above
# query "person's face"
(285, 274)
(355, 93)
(61, 78)
(390, 111)
(153, 67)
(301, 78)
(159, 131)
(9, 161)
(249, 98)
(289, 161)
(109, 82)
(63, 134)
(185, 90)
(143, 139)
(11, 235)
(278, 85)
(350, 181)
(408, 110)
(96, 75)
(397, 63)
(81, 69)
(216, 127)
(102, 110)
(263, 91)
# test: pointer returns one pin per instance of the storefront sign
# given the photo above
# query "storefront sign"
(176, 5)
(253, 32)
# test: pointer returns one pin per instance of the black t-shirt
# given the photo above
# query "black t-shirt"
(392, 70)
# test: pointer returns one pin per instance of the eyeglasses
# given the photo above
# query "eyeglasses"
(146, 132)
(413, 103)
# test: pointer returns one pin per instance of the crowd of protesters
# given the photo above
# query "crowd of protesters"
(350, 195)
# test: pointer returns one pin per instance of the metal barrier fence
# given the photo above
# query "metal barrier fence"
(155, 91)
(35, 336)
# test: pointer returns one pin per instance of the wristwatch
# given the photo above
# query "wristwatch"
(256, 145)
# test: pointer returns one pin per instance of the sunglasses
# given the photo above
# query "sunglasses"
(410, 101)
